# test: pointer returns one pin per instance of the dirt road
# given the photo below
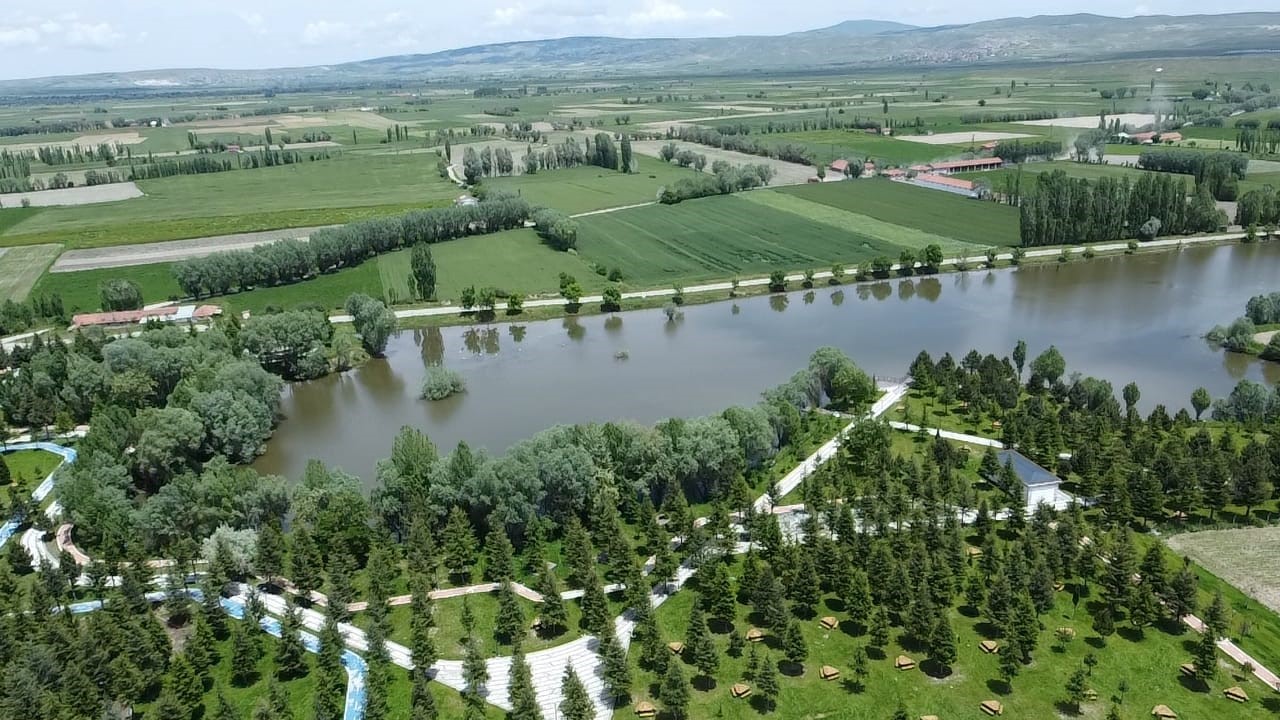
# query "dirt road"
(162, 252)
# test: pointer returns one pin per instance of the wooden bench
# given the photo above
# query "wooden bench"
(645, 709)
(989, 646)
(755, 635)
(992, 707)
(904, 663)
(829, 623)
(1236, 693)
(1162, 712)
(675, 647)
(740, 690)
(829, 673)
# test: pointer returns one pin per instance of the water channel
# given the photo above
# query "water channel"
(1123, 318)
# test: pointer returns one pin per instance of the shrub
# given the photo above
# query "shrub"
(441, 383)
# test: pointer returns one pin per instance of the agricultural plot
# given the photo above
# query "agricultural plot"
(828, 145)
(1245, 558)
(589, 188)
(717, 237)
(326, 192)
(1088, 171)
(72, 196)
(516, 261)
(21, 268)
(79, 290)
(172, 251)
(900, 235)
(785, 173)
(940, 213)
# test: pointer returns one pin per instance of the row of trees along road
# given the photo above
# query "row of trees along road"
(291, 261)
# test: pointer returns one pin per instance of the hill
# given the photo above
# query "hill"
(1045, 38)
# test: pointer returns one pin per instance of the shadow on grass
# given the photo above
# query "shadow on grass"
(935, 669)
(790, 669)
(999, 687)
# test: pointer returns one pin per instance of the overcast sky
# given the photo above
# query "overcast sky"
(40, 38)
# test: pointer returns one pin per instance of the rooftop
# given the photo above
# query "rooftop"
(945, 181)
(1026, 470)
(976, 162)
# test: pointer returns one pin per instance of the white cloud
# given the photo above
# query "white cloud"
(323, 31)
(95, 36)
(657, 12)
(503, 16)
(19, 36)
(254, 21)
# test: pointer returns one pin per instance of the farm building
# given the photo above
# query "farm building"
(839, 167)
(1147, 138)
(934, 181)
(1038, 485)
(165, 314)
(960, 166)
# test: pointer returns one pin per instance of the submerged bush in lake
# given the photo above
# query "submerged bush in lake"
(441, 383)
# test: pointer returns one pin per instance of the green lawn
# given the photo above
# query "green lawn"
(10, 216)
(338, 190)
(79, 290)
(843, 220)
(21, 268)
(583, 189)
(1139, 671)
(714, 238)
(27, 468)
(941, 213)
(828, 145)
(516, 260)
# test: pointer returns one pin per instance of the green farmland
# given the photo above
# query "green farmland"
(965, 220)
(22, 267)
(588, 188)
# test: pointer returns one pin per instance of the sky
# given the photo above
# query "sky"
(40, 38)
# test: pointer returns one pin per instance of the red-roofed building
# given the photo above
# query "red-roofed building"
(839, 166)
(942, 182)
(974, 165)
(168, 313)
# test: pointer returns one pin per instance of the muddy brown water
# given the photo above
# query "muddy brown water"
(1137, 318)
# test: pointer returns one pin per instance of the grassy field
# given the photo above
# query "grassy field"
(716, 237)
(332, 191)
(828, 145)
(1245, 558)
(980, 223)
(843, 220)
(583, 189)
(1136, 672)
(21, 268)
(10, 216)
(516, 260)
(27, 468)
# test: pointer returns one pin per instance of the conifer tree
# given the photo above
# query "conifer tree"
(714, 585)
(942, 643)
(331, 683)
(578, 553)
(699, 644)
(524, 701)
(223, 709)
(653, 652)
(459, 545)
(860, 668)
(499, 555)
(674, 692)
(342, 591)
(1182, 593)
(475, 673)
(878, 634)
(245, 654)
(1215, 616)
(422, 703)
(268, 559)
(1025, 625)
(1204, 655)
(767, 681)
(806, 589)
(768, 601)
(1104, 623)
(169, 707)
(201, 648)
(290, 653)
(1077, 688)
(211, 608)
(509, 625)
(186, 682)
(793, 644)
(617, 672)
(1010, 662)
(575, 703)
(1144, 608)
(376, 684)
(304, 563)
(554, 616)
(595, 608)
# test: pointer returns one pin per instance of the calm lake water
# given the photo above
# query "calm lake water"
(1138, 318)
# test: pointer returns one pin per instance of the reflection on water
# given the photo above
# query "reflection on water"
(1136, 318)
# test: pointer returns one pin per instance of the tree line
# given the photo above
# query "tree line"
(1060, 210)
(714, 137)
(152, 168)
(1220, 170)
(1019, 151)
(724, 179)
(291, 261)
(1259, 207)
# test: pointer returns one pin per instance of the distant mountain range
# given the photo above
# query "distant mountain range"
(849, 45)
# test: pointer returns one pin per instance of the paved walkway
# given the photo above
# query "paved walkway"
(797, 277)
(1234, 652)
(948, 434)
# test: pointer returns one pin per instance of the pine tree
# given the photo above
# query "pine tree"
(942, 643)
(1104, 623)
(793, 644)
(806, 589)
(331, 684)
(1010, 662)
(699, 645)
(169, 707)
(878, 635)
(578, 553)
(509, 625)
(860, 668)
(920, 616)
(1182, 593)
(575, 703)
(342, 591)
(268, 559)
(459, 545)
(499, 555)
(653, 653)
(617, 672)
(211, 608)
(1077, 688)
(475, 673)
(714, 585)
(290, 662)
(245, 654)
(1025, 625)
(381, 570)
(376, 684)
(674, 692)
(524, 701)
(595, 608)
(186, 682)
(1215, 616)
(1144, 608)
(304, 563)
(767, 682)
(224, 710)
(769, 601)
(1204, 655)
(201, 648)
(421, 702)
(554, 616)
(857, 598)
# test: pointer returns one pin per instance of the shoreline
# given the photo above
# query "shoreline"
(543, 308)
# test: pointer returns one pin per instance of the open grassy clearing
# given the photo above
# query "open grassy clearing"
(716, 237)
(1245, 558)
(22, 267)
(865, 224)
(318, 193)
(516, 260)
(79, 290)
(583, 189)
(11, 216)
(971, 221)
(27, 468)
(828, 145)
(1138, 672)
